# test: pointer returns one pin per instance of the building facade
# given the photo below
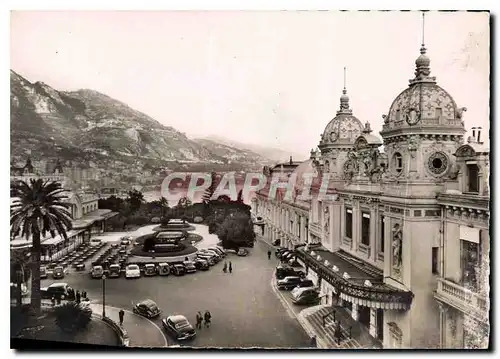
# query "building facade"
(402, 242)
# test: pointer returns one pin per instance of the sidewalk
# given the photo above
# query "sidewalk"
(311, 320)
(142, 331)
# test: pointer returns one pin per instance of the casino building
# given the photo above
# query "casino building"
(400, 249)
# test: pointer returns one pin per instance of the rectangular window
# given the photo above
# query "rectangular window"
(382, 234)
(473, 177)
(348, 223)
(435, 260)
(470, 264)
(365, 228)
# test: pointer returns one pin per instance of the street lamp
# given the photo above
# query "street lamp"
(104, 296)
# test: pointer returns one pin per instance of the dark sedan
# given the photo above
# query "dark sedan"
(179, 326)
(147, 308)
(201, 264)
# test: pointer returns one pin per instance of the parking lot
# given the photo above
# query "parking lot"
(245, 310)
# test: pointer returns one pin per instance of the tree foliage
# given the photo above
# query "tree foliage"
(72, 317)
(236, 231)
(135, 199)
(39, 208)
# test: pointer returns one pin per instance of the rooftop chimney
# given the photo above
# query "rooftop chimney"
(291, 160)
(474, 132)
(478, 140)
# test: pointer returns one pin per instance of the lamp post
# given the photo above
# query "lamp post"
(103, 296)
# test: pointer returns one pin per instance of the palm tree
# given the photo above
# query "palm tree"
(38, 209)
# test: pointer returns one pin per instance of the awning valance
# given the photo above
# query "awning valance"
(352, 287)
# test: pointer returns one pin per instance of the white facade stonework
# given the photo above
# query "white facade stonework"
(413, 218)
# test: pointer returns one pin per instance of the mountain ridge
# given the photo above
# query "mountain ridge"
(87, 126)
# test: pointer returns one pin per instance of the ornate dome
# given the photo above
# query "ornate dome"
(423, 103)
(344, 128)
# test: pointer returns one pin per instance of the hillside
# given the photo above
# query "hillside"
(87, 126)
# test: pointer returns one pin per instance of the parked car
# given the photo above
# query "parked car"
(97, 272)
(147, 308)
(283, 271)
(55, 289)
(149, 270)
(242, 252)
(288, 283)
(305, 296)
(114, 245)
(125, 241)
(95, 242)
(280, 252)
(177, 269)
(43, 272)
(132, 271)
(190, 266)
(163, 269)
(208, 257)
(201, 264)
(114, 271)
(294, 263)
(58, 272)
(218, 250)
(179, 326)
(214, 254)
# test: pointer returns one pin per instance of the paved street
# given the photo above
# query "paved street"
(245, 310)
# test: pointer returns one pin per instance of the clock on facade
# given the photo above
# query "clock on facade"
(437, 163)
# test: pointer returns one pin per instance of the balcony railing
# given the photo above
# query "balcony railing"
(462, 298)
(315, 229)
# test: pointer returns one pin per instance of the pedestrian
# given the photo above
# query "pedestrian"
(186, 259)
(84, 295)
(53, 300)
(224, 269)
(314, 342)
(230, 267)
(337, 332)
(121, 314)
(199, 320)
(268, 254)
(58, 299)
(78, 297)
(208, 317)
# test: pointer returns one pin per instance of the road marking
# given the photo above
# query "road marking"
(140, 316)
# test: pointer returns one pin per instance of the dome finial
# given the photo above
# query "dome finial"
(344, 99)
(423, 70)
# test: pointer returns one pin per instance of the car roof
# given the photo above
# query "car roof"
(97, 267)
(132, 265)
(56, 285)
(177, 318)
(147, 302)
(149, 265)
(163, 264)
(114, 265)
(291, 276)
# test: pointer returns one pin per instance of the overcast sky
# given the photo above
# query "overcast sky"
(270, 78)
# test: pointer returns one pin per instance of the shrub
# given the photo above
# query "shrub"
(72, 317)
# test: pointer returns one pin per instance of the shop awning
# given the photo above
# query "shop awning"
(352, 282)
(21, 242)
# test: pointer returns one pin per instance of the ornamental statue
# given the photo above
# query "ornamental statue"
(397, 246)
(327, 223)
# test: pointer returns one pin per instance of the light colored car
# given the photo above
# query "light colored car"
(95, 242)
(97, 272)
(132, 271)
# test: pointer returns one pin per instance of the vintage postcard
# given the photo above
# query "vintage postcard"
(250, 179)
